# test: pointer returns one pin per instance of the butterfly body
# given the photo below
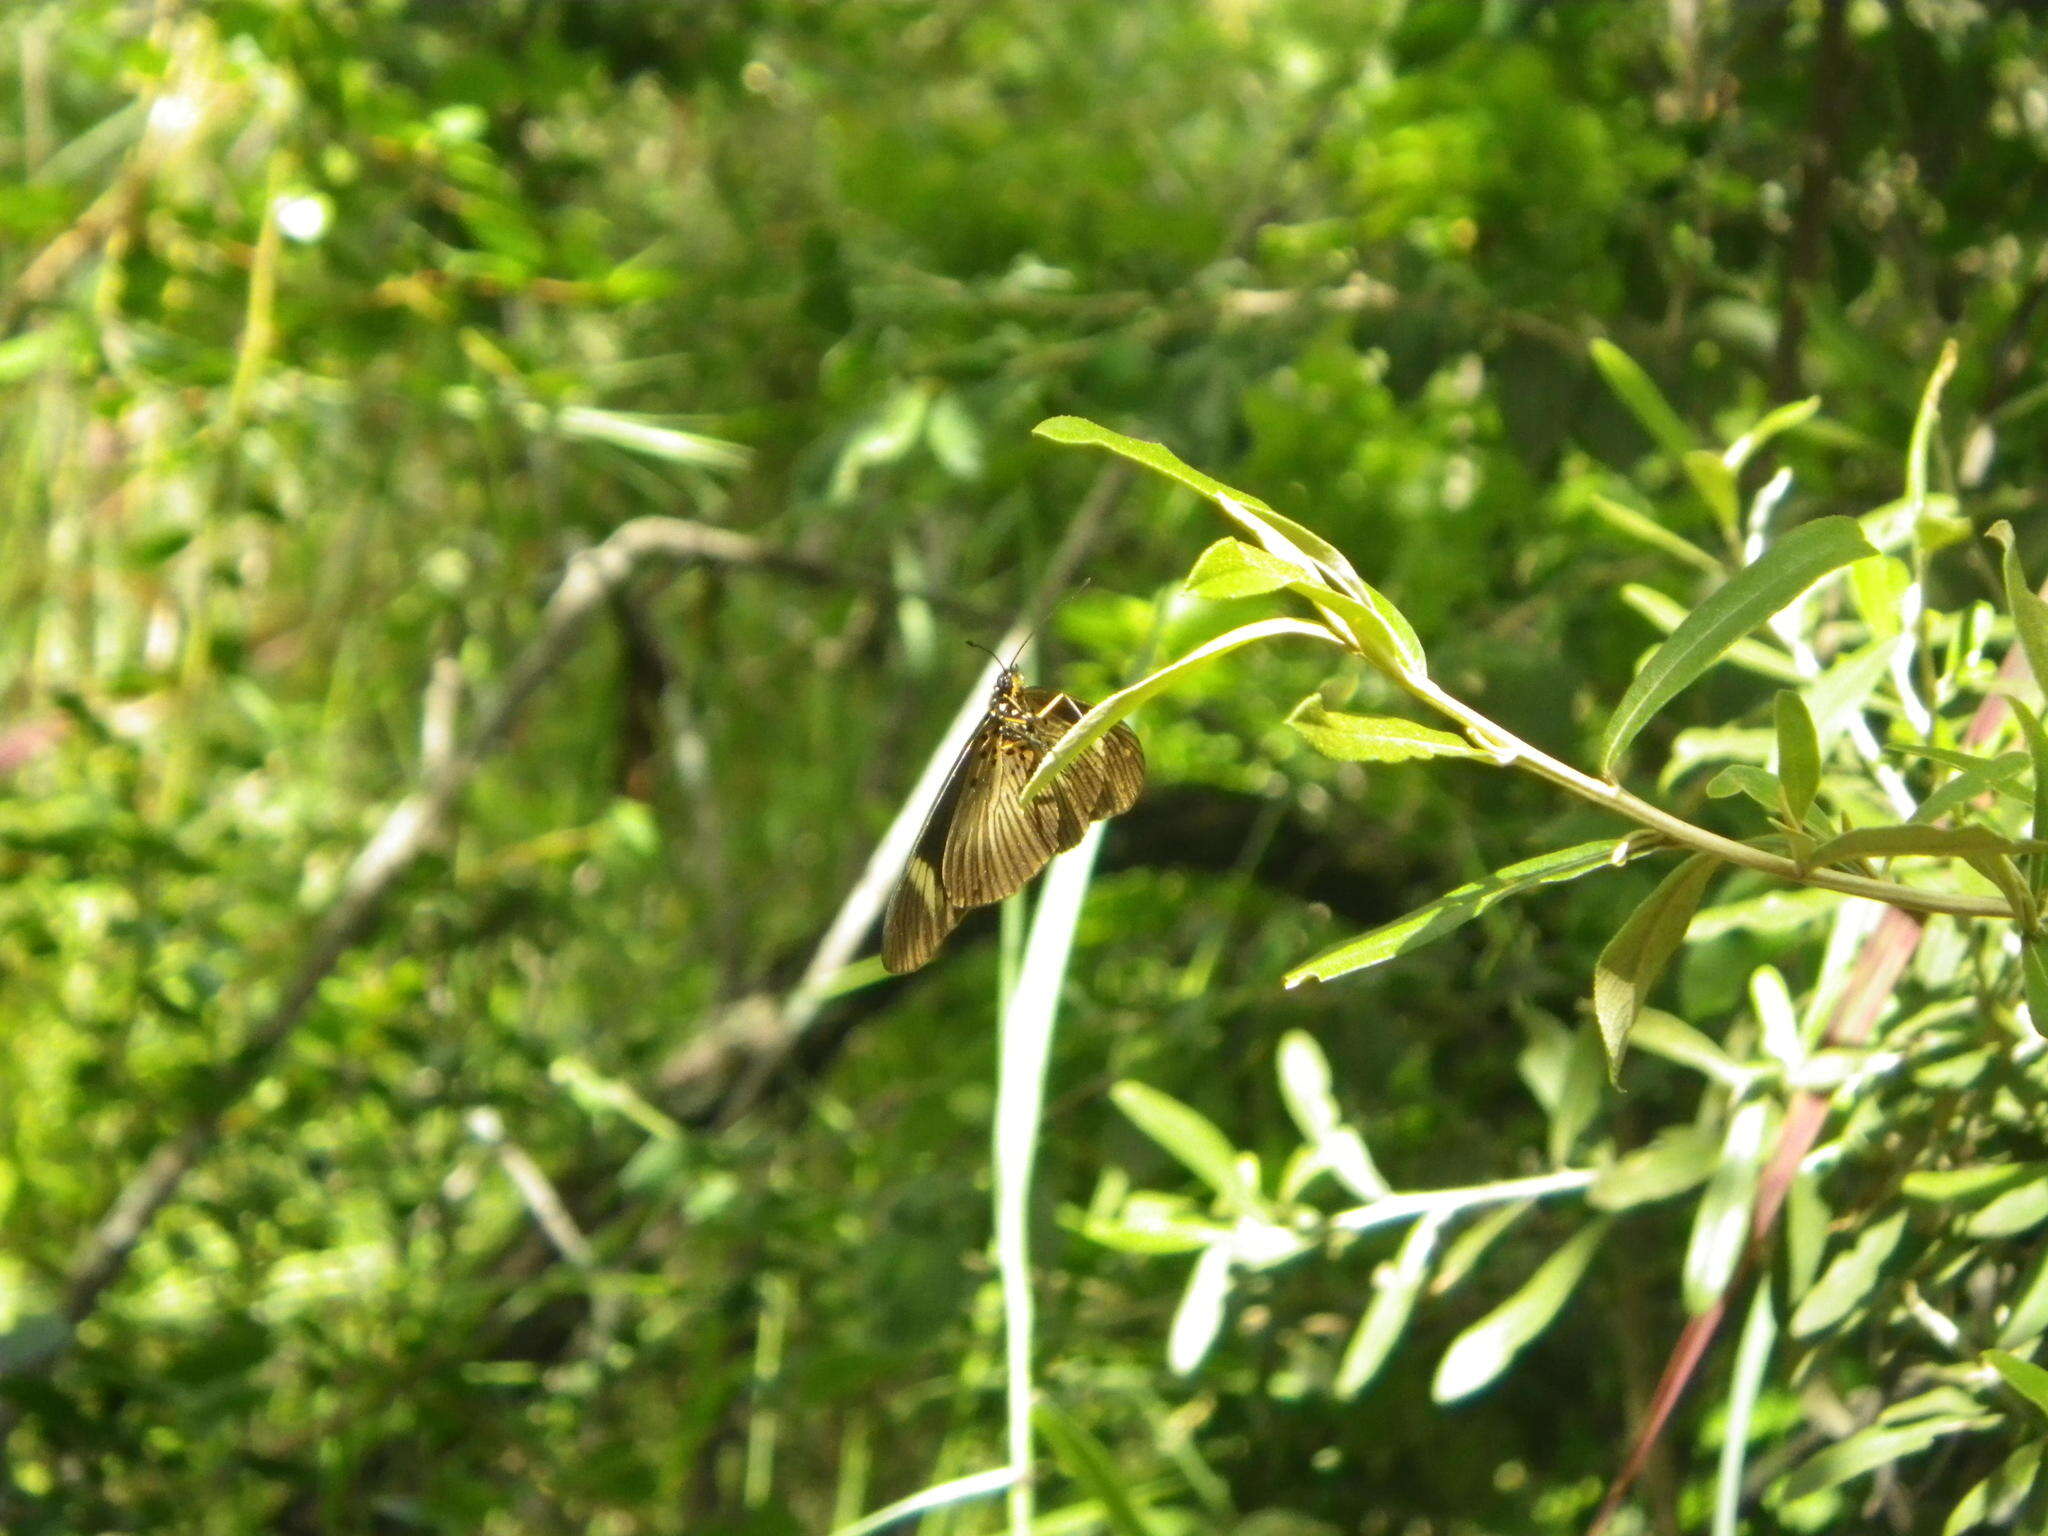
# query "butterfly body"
(981, 843)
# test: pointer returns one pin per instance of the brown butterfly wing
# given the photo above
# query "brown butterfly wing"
(996, 842)
(919, 916)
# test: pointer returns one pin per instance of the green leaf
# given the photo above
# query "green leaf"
(955, 1490)
(1489, 1346)
(1665, 1035)
(1305, 1085)
(2028, 1319)
(1997, 1499)
(2037, 755)
(2029, 612)
(1085, 1459)
(1849, 1278)
(1748, 598)
(1875, 1447)
(1922, 441)
(1188, 1135)
(1091, 726)
(1979, 1181)
(1636, 956)
(1781, 418)
(1678, 1158)
(1281, 536)
(1199, 1317)
(1633, 387)
(2023, 1376)
(1646, 529)
(1798, 756)
(1396, 1286)
(1752, 655)
(1806, 1233)
(1911, 840)
(1720, 1224)
(2016, 1211)
(1715, 482)
(1372, 738)
(1452, 911)
(1232, 568)
(1752, 1358)
(1744, 779)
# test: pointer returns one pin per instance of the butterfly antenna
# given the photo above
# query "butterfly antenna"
(1033, 635)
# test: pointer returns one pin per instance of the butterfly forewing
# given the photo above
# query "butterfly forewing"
(981, 843)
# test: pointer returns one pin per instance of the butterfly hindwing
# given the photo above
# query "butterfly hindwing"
(981, 843)
(996, 842)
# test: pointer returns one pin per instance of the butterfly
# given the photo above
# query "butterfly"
(981, 843)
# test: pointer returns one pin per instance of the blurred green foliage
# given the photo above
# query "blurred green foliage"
(330, 332)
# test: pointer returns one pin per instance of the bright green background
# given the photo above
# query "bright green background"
(330, 330)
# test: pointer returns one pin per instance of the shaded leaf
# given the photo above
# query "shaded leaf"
(1911, 840)
(1636, 956)
(1088, 1462)
(1997, 1499)
(1645, 401)
(1798, 755)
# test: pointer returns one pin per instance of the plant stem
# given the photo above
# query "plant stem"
(1512, 751)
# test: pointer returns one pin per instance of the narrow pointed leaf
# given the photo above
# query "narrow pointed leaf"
(1372, 738)
(1720, 1224)
(1448, 912)
(1715, 482)
(1849, 1278)
(1305, 1084)
(1645, 401)
(1646, 529)
(1780, 419)
(1752, 1358)
(1997, 1499)
(1636, 956)
(1189, 1135)
(1798, 756)
(1087, 1461)
(1386, 1318)
(1199, 1317)
(1911, 840)
(1091, 726)
(1280, 535)
(1748, 598)
(1489, 1346)
(1869, 1449)
(2023, 1376)
(2029, 613)
(2028, 1319)
(1677, 1159)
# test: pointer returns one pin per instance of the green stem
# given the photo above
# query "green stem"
(1512, 751)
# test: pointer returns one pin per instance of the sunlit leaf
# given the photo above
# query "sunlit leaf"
(1372, 738)
(1189, 1135)
(1676, 1159)
(1396, 1285)
(2023, 1376)
(1849, 1278)
(1091, 726)
(1489, 1346)
(1720, 1224)
(1756, 592)
(1997, 1499)
(1645, 401)
(1798, 755)
(1199, 1317)
(1448, 912)
(1869, 1449)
